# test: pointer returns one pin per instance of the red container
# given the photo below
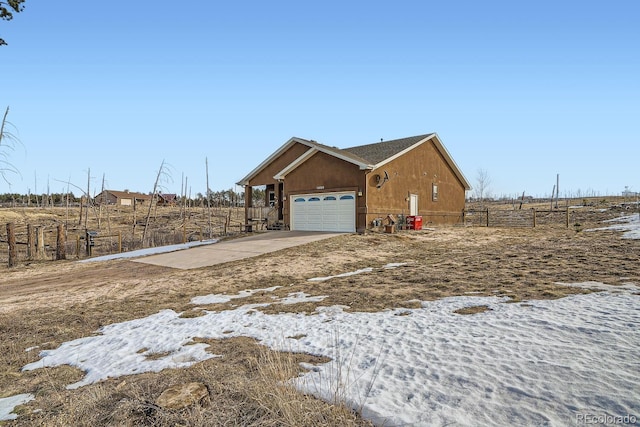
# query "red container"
(414, 222)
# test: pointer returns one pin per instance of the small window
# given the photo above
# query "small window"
(349, 197)
(434, 192)
(314, 199)
(330, 198)
(299, 199)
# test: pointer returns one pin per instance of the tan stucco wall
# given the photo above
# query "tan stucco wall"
(323, 170)
(266, 175)
(415, 173)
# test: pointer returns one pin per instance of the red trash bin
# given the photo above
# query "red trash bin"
(414, 222)
(417, 223)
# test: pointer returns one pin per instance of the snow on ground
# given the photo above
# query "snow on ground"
(353, 273)
(8, 404)
(533, 363)
(222, 298)
(630, 224)
(151, 251)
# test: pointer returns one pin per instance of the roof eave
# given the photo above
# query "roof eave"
(443, 150)
(452, 163)
(245, 181)
(315, 147)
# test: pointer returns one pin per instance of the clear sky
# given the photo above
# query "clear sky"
(523, 90)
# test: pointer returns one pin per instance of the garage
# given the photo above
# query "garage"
(324, 212)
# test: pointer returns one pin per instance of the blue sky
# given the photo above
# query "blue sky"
(523, 90)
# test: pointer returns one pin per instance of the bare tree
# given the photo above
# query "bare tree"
(8, 141)
(163, 174)
(483, 181)
(206, 161)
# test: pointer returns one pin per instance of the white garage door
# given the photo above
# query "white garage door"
(324, 212)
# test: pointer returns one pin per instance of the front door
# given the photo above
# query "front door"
(413, 204)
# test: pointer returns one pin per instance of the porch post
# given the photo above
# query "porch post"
(248, 202)
(279, 203)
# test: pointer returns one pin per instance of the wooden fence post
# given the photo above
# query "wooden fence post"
(534, 217)
(119, 241)
(87, 241)
(487, 217)
(567, 216)
(61, 243)
(77, 246)
(11, 240)
(31, 243)
(40, 242)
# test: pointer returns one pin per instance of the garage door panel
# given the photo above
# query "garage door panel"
(324, 212)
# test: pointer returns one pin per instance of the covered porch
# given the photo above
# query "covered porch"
(266, 213)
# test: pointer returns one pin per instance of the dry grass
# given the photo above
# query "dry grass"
(472, 310)
(247, 386)
(45, 304)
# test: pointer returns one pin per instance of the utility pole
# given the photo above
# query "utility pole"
(557, 188)
(206, 161)
(86, 211)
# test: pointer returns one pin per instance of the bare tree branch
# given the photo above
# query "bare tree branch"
(8, 141)
(483, 181)
(163, 174)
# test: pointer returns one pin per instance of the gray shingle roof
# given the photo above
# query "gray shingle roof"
(375, 153)
(336, 150)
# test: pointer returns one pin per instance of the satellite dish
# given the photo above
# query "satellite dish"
(380, 181)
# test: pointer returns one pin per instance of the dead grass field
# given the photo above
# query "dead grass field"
(47, 303)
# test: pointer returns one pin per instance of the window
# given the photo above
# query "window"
(314, 199)
(299, 199)
(346, 197)
(330, 198)
(434, 192)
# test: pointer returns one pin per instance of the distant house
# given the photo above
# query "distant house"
(167, 199)
(121, 198)
(316, 187)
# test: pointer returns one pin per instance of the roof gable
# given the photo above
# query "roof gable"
(314, 147)
(367, 156)
(381, 151)
(127, 194)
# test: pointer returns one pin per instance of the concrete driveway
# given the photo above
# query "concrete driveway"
(233, 250)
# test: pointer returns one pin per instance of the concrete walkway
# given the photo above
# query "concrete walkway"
(233, 250)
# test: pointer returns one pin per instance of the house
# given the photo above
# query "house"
(167, 199)
(315, 187)
(121, 198)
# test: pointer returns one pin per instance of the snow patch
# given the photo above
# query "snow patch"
(150, 251)
(539, 363)
(8, 404)
(389, 266)
(630, 224)
(222, 298)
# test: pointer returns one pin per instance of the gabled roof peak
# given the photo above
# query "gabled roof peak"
(381, 151)
(367, 156)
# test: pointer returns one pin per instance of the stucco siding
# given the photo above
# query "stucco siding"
(416, 172)
(265, 176)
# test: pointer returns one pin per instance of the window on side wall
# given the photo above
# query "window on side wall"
(434, 192)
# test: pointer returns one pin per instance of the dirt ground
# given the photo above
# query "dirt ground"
(44, 304)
